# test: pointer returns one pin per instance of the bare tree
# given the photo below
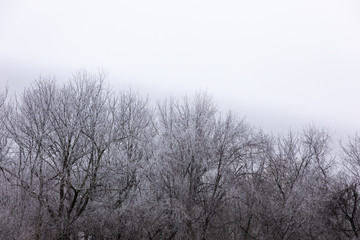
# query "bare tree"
(79, 161)
(200, 150)
(123, 186)
(343, 205)
(297, 169)
(4, 138)
(343, 215)
(61, 137)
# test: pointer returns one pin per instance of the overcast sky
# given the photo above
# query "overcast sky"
(281, 64)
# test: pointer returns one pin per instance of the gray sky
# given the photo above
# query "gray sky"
(281, 64)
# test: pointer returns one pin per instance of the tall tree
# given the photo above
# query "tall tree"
(61, 136)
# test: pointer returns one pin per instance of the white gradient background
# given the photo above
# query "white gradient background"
(281, 64)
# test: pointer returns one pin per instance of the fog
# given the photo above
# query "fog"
(281, 64)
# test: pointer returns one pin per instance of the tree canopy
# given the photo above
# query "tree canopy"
(79, 161)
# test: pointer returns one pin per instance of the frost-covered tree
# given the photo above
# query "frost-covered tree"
(200, 153)
(79, 161)
(64, 142)
(344, 202)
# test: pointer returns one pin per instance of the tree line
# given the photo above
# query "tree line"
(80, 161)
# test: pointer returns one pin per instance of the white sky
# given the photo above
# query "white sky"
(281, 64)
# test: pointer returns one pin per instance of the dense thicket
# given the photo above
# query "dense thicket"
(79, 161)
